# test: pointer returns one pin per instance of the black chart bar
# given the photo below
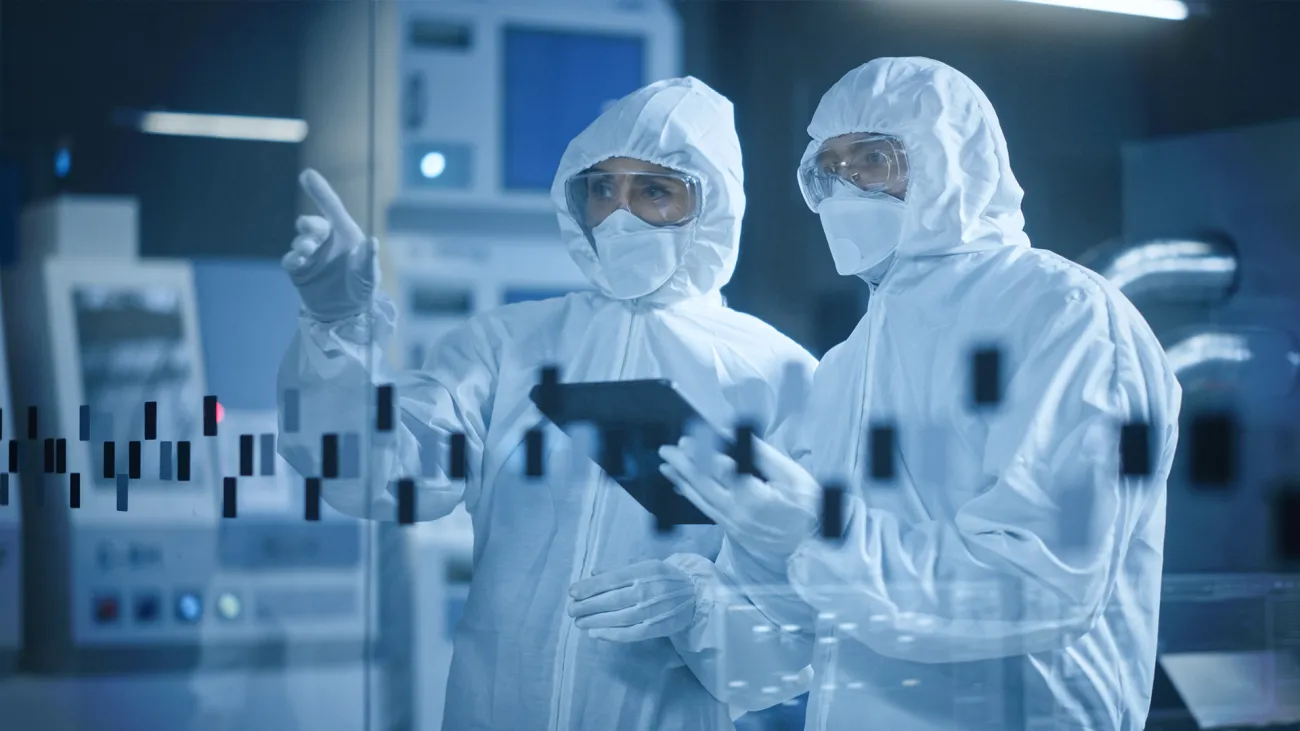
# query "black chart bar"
(245, 455)
(209, 416)
(61, 456)
(133, 459)
(882, 440)
(4, 489)
(150, 420)
(744, 451)
(13, 456)
(110, 460)
(183, 461)
(313, 498)
(986, 372)
(832, 512)
(533, 451)
(406, 501)
(229, 498)
(74, 490)
(1135, 450)
(384, 409)
(329, 448)
(31, 423)
(457, 468)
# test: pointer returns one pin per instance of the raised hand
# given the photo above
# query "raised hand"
(331, 261)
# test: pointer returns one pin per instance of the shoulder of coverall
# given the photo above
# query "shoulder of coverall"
(489, 333)
(1042, 290)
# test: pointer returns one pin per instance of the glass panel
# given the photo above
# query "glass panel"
(183, 567)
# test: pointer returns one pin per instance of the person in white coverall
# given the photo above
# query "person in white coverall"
(1008, 575)
(649, 201)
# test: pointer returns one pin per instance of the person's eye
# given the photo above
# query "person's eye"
(602, 190)
(655, 192)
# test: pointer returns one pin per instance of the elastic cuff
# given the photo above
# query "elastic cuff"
(363, 328)
(706, 582)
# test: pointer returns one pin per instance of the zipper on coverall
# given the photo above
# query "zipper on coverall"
(589, 534)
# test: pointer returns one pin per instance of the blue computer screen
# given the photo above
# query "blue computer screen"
(556, 83)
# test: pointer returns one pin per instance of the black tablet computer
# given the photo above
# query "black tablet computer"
(634, 418)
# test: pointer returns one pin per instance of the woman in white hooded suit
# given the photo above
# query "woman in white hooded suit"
(650, 199)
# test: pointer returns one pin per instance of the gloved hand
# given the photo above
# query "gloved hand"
(768, 518)
(332, 263)
(638, 602)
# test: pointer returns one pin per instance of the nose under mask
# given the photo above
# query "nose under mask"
(635, 257)
(861, 232)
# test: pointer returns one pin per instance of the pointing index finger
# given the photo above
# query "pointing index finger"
(320, 192)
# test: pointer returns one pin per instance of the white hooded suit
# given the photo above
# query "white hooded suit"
(519, 663)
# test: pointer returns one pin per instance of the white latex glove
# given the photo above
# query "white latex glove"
(768, 518)
(638, 602)
(331, 262)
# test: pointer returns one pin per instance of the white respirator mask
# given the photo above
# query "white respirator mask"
(861, 231)
(636, 257)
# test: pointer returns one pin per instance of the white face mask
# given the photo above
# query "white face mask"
(861, 231)
(635, 257)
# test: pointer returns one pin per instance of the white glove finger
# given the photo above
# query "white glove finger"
(292, 261)
(711, 460)
(313, 226)
(775, 464)
(651, 612)
(718, 515)
(625, 634)
(329, 203)
(703, 480)
(610, 601)
(615, 579)
(306, 245)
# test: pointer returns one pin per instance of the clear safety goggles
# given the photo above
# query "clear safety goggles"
(658, 198)
(864, 165)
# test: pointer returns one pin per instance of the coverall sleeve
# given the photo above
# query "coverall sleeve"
(751, 644)
(1028, 563)
(332, 370)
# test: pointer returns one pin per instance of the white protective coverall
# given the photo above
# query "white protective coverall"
(519, 663)
(1008, 578)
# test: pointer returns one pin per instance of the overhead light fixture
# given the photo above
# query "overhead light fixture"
(1163, 9)
(220, 126)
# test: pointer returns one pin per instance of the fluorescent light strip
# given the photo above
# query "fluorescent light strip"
(1163, 9)
(224, 126)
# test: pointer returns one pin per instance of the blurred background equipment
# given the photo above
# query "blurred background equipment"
(1241, 674)
(1213, 270)
(151, 593)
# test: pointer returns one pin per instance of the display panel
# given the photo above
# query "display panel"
(133, 350)
(555, 85)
